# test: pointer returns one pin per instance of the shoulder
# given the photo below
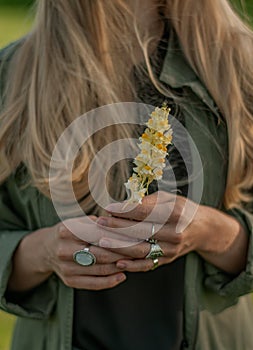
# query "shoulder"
(7, 52)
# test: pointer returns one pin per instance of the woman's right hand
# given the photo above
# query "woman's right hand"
(60, 249)
(50, 250)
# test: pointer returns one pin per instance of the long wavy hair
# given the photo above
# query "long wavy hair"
(79, 56)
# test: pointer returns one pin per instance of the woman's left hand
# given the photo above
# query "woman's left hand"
(180, 226)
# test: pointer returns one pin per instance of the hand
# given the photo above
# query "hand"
(162, 210)
(51, 250)
(103, 274)
(181, 226)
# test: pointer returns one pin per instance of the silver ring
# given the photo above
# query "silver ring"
(155, 251)
(152, 230)
(84, 257)
(156, 263)
(151, 240)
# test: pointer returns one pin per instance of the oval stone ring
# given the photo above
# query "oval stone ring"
(84, 257)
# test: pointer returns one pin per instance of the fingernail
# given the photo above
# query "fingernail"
(121, 277)
(123, 207)
(110, 207)
(115, 207)
(105, 243)
(121, 265)
(102, 221)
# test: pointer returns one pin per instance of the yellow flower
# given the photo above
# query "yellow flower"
(151, 160)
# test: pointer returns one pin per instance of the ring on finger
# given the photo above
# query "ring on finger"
(151, 239)
(84, 257)
(155, 251)
(156, 263)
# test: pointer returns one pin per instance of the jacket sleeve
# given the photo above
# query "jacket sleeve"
(19, 216)
(14, 204)
(234, 286)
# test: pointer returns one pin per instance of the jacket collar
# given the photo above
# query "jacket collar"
(177, 73)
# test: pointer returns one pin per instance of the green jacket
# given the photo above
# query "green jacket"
(218, 311)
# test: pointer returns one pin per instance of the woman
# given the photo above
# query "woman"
(83, 54)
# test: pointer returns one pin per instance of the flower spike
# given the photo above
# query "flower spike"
(153, 151)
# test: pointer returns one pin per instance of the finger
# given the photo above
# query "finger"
(73, 269)
(81, 231)
(152, 212)
(142, 265)
(94, 282)
(151, 199)
(141, 250)
(125, 248)
(63, 226)
(133, 231)
(136, 231)
(66, 250)
(105, 256)
(139, 265)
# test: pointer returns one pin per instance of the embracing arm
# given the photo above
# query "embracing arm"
(222, 240)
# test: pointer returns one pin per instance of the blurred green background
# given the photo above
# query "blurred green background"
(16, 18)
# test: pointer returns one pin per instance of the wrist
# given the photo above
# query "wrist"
(34, 248)
(29, 267)
(215, 230)
(223, 241)
(201, 226)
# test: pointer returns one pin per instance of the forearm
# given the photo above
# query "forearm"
(29, 263)
(224, 243)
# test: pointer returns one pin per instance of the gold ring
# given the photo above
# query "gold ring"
(156, 263)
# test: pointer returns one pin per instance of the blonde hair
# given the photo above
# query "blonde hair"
(78, 56)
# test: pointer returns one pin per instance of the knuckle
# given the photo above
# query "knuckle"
(178, 238)
(142, 251)
(102, 258)
(104, 270)
(143, 211)
(177, 213)
(151, 199)
(60, 252)
(62, 231)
